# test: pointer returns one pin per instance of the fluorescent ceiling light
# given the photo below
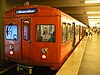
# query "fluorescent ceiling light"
(98, 17)
(92, 1)
(93, 12)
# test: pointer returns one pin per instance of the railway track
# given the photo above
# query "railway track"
(7, 68)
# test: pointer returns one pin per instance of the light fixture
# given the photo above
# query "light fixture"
(97, 12)
(92, 1)
(94, 17)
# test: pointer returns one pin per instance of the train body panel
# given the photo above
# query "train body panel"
(9, 44)
(38, 44)
(39, 36)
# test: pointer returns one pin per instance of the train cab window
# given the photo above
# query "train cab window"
(45, 33)
(11, 32)
(26, 29)
(64, 33)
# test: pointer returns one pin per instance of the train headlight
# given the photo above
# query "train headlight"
(11, 52)
(11, 47)
(44, 56)
(44, 50)
(44, 53)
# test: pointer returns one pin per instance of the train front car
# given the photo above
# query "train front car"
(38, 36)
(31, 36)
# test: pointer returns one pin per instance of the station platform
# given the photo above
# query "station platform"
(85, 59)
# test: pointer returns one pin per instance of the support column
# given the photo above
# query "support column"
(3, 5)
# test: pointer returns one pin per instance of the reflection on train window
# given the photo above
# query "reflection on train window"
(45, 33)
(26, 30)
(11, 32)
(77, 30)
(64, 33)
(69, 31)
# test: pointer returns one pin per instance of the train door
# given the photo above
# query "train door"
(25, 39)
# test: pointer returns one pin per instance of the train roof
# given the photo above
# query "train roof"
(31, 10)
(36, 10)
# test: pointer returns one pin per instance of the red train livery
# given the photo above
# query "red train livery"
(40, 35)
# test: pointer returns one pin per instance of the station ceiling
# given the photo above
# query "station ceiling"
(76, 8)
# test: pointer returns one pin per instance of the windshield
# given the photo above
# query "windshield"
(11, 32)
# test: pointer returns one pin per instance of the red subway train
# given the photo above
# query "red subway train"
(40, 35)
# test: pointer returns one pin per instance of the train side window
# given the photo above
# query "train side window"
(77, 30)
(45, 33)
(69, 31)
(11, 32)
(26, 30)
(64, 33)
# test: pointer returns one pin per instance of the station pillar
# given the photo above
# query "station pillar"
(3, 4)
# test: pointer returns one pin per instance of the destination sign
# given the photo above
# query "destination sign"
(26, 11)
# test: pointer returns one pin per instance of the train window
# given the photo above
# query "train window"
(64, 33)
(11, 32)
(77, 30)
(45, 33)
(69, 31)
(26, 29)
